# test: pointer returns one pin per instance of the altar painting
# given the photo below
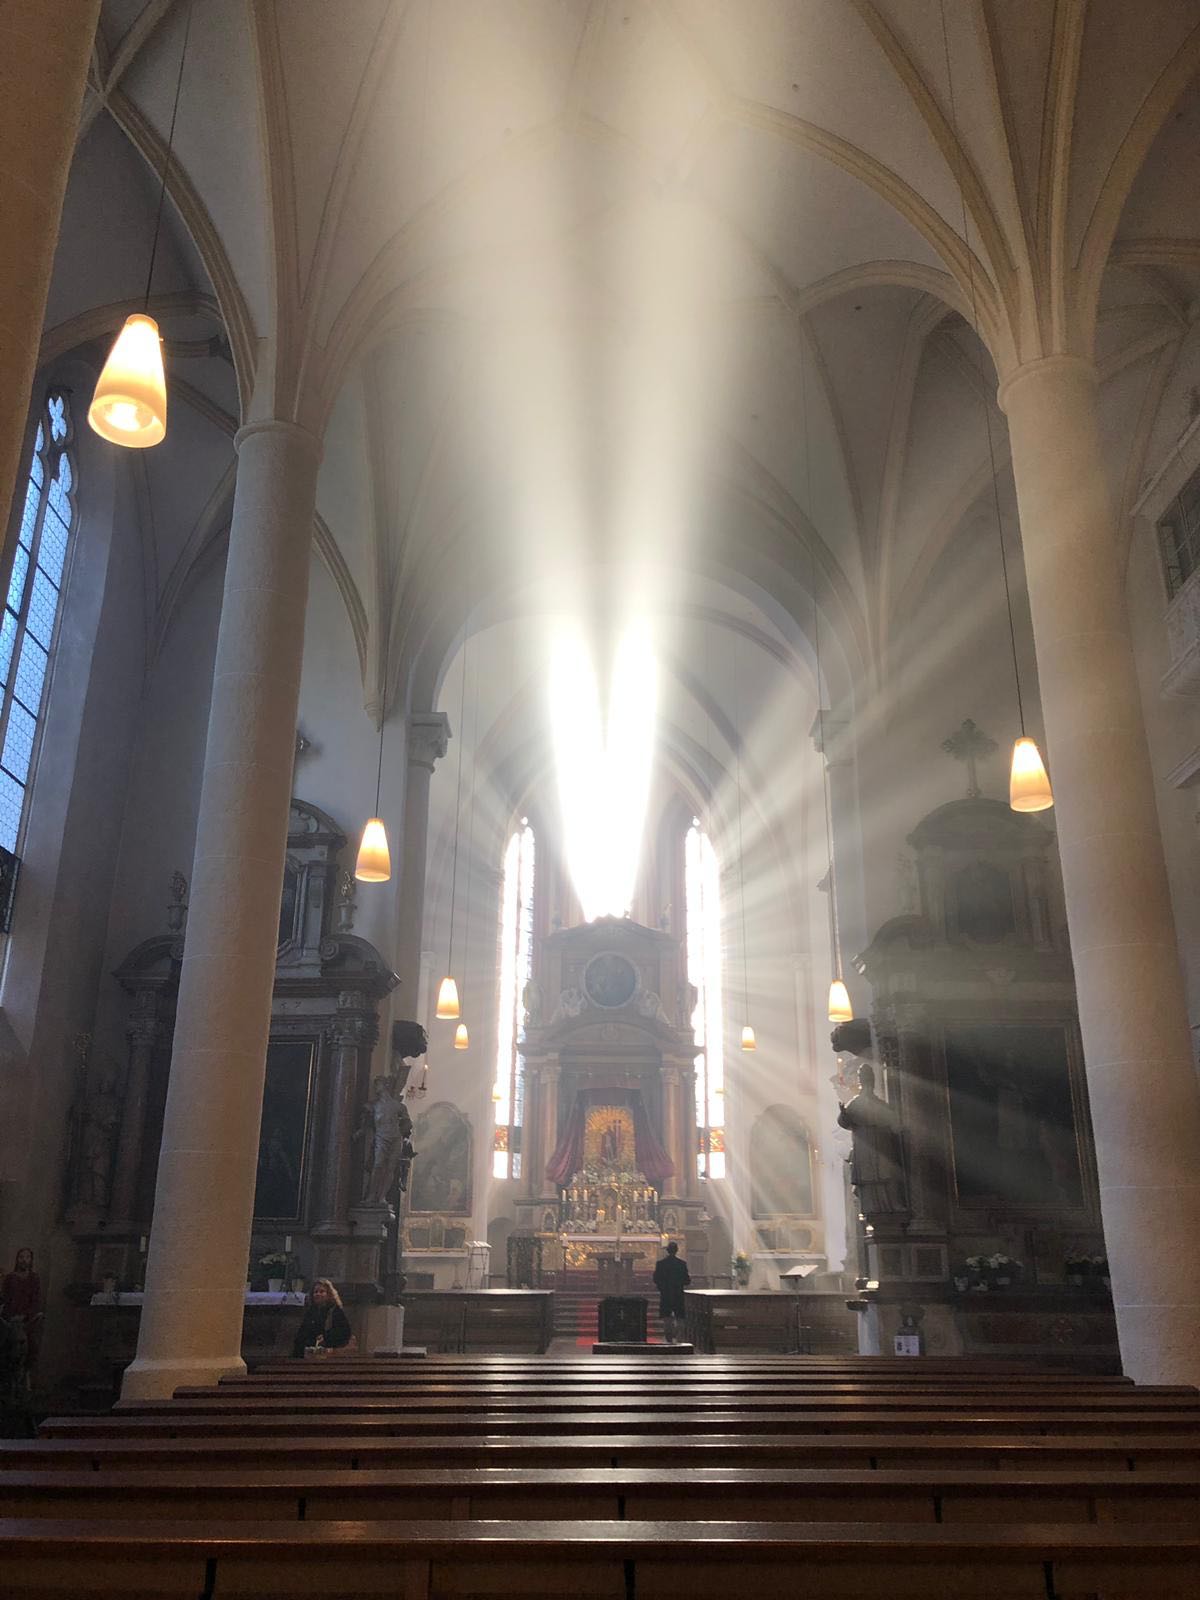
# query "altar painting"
(608, 1139)
(441, 1180)
(283, 1133)
(1013, 1118)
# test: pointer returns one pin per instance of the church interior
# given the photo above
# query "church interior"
(602, 651)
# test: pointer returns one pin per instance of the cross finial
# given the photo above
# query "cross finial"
(970, 744)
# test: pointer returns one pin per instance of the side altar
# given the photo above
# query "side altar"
(611, 1109)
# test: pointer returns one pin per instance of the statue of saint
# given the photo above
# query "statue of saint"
(532, 1002)
(389, 1126)
(876, 1167)
(101, 1122)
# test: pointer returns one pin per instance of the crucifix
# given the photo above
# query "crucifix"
(970, 744)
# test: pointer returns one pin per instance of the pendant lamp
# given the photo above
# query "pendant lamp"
(749, 1042)
(462, 1039)
(840, 1009)
(374, 861)
(1028, 787)
(129, 405)
(448, 1009)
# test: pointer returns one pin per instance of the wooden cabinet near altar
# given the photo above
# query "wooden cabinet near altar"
(329, 985)
(610, 1123)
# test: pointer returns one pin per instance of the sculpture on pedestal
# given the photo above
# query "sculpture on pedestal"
(876, 1167)
(389, 1126)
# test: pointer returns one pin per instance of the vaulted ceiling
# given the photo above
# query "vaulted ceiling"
(507, 253)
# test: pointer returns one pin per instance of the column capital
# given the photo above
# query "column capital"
(831, 737)
(290, 430)
(1062, 366)
(428, 738)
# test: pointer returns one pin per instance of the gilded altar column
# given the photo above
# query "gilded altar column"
(45, 51)
(1145, 1101)
(551, 1073)
(352, 1036)
(143, 1036)
(191, 1329)
(687, 1136)
(427, 742)
(670, 1077)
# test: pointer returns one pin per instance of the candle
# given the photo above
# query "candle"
(142, 1245)
(287, 1245)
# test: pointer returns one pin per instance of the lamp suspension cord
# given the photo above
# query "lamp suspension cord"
(471, 810)
(959, 158)
(835, 926)
(162, 192)
(379, 768)
(462, 701)
(737, 767)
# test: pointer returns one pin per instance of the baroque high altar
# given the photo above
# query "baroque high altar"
(610, 1096)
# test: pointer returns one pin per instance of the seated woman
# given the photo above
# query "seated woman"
(325, 1325)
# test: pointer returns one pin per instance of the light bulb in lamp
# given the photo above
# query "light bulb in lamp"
(447, 1001)
(129, 405)
(1028, 786)
(840, 1009)
(374, 863)
(749, 1042)
(462, 1039)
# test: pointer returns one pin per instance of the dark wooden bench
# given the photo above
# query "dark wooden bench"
(638, 1493)
(811, 1420)
(653, 1560)
(1008, 1453)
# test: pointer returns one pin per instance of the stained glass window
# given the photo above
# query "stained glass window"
(702, 890)
(516, 970)
(30, 619)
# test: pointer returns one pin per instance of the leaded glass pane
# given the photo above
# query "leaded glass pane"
(12, 799)
(16, 583)
(36, 470)
(43, 608)
(31, 674)
(60, 491)
(57, 407)
(8, 635)
(29, 515)
(52, 552)
(18, 742)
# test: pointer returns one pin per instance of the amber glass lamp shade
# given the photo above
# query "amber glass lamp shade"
(749, 1042)
(129, 406)
(374, 863)
(462, 1039)
(840, 1009)
(1028, 786)
(447, 1001)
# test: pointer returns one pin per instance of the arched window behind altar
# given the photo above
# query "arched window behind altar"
(516, 970)
(702, 889)
(30, 622)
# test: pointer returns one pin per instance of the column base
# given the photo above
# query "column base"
(158, 1380)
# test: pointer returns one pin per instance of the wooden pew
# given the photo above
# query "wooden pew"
(638, 1493)
(652, 1560)
(1114, 1451)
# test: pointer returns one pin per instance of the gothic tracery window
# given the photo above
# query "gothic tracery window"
(702, 889)
(516, 971)
(31, 610)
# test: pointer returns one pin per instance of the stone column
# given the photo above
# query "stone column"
(45, 54)
(548, 1102)
(832, 738)
(1142, 1080)
(428, 741)
(143, 1035)
(191, 1328)
(353, 1033)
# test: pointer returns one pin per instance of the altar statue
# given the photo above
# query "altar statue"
(386, 1120)
(876, 1167)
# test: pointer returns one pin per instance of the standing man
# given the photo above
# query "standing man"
(671, 1278)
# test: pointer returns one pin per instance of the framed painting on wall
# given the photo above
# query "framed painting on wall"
(1015, 1117)
(283, 1137)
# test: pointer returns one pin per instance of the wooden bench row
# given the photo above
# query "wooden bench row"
(663, 1560)
(327, 1450)
(637, 1493)
(811, 1420)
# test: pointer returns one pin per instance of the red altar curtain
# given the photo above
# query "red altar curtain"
(653, 1161)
